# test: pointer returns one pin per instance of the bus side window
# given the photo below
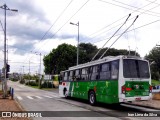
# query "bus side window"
(94, 73)
(70, 75)
(61, 76)
(105, 72)
(114, 69)
(77, 74)
(65, 78)
(73, 76)
(84, 74)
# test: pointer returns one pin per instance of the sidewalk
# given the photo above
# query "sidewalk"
(154, 103)
(9, 105)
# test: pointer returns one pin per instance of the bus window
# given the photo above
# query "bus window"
(143, 69)
(65, 76)
(114, 69)
(72, 76)
(94, 72)
(84, 74)
(135, 69)
(105, 72)
(61, 77)
(77, 74)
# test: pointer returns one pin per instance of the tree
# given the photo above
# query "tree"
(65, 56)
(154, 59)
(60, 59)
(86, 52)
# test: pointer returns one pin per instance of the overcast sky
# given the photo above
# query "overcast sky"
(98, 20)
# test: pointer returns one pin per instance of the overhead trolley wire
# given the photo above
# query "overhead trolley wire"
(132, 18)
(127, 7)
(134, 28)
(119, 20)
(119, 37)
(137, 7)
(111, 37)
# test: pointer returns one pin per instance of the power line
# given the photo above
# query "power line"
(111, 37)
(23, 62)
(125, 7)
(1, 25)
(66, 22)
(131, 18)
(137, 7)
(70, 18)
(54, 22)
(133, 29)
(118, 37)
(152, 1)
(117, 21)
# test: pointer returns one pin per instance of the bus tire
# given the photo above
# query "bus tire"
(92, 98)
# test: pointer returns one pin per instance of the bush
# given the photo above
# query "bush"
(155, 75)
(47, 85)
(14, 79)
(31, 83)
(22, 81)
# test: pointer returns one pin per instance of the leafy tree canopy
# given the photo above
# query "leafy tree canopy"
(65, 56)
(154, 58)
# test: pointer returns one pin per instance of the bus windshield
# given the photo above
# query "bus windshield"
(135, 69)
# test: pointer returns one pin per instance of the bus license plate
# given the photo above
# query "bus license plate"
(137, 99)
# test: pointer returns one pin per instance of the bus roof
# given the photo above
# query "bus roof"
(105, 59)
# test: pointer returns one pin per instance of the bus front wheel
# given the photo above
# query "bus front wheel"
(92, 98)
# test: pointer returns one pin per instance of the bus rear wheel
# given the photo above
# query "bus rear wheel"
(92, 98)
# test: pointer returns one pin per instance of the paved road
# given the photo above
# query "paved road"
(39, 100)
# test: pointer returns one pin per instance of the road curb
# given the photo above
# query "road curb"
(19, 105)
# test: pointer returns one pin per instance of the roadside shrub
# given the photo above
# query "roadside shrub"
(22, 81)
(47, 85)
(14, 79)
(31, 83)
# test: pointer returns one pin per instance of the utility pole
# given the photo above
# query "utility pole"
(39, 69)
(29, 69)
(40, 72)
(5, 71)
(29, 74)
(23, 72)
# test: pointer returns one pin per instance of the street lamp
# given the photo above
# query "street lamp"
(5, 81)
(77, 41)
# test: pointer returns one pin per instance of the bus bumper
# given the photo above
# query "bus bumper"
(137, 98)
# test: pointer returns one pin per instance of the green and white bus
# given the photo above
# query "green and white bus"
(108, 80)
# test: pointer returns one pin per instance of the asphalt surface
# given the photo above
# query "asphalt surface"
(50, 104)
